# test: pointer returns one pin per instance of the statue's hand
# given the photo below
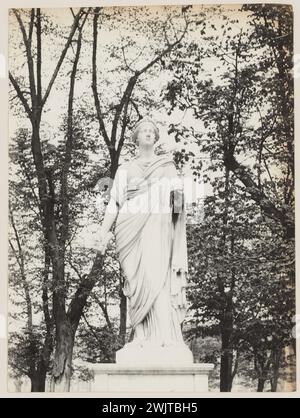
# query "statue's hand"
(104, 241)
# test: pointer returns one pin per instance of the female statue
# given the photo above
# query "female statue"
(152, 250)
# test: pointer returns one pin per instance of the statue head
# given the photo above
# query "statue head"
(145, 128)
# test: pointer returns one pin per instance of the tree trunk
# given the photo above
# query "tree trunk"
(226, 375)
(62, 364)
(34, 384)
(274, 384)
(227, 314)
(38, 381)
(276, 361)
(262, 368)
(261, 384)
(226, 364)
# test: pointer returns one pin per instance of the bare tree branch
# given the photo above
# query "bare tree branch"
(20, 95)
(27, 43)
(94, 80)
(63, 54)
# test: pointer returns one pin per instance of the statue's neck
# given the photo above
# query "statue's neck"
(146, 154)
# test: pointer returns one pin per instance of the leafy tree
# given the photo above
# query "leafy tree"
(240, 105)
(234, 90)
(31, 346)
(240, 270)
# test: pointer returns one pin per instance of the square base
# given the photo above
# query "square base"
(120, 378)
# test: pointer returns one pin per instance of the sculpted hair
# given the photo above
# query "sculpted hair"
(140, 123)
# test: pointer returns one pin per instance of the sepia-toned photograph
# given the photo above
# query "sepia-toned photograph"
(151, 213)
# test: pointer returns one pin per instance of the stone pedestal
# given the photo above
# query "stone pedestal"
(152, 367)
(120, 378)
(151, 354)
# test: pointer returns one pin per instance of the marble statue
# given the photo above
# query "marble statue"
(147, 203)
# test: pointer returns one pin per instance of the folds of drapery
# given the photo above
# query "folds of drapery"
(179, 264)
(150, 246)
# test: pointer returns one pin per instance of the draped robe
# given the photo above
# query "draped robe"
(151, 247)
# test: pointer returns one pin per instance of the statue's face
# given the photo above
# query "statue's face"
(146, 134)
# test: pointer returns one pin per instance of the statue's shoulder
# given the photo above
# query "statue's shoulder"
(166, 158)
(125, 165)
(129, 166)
(170, 163)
